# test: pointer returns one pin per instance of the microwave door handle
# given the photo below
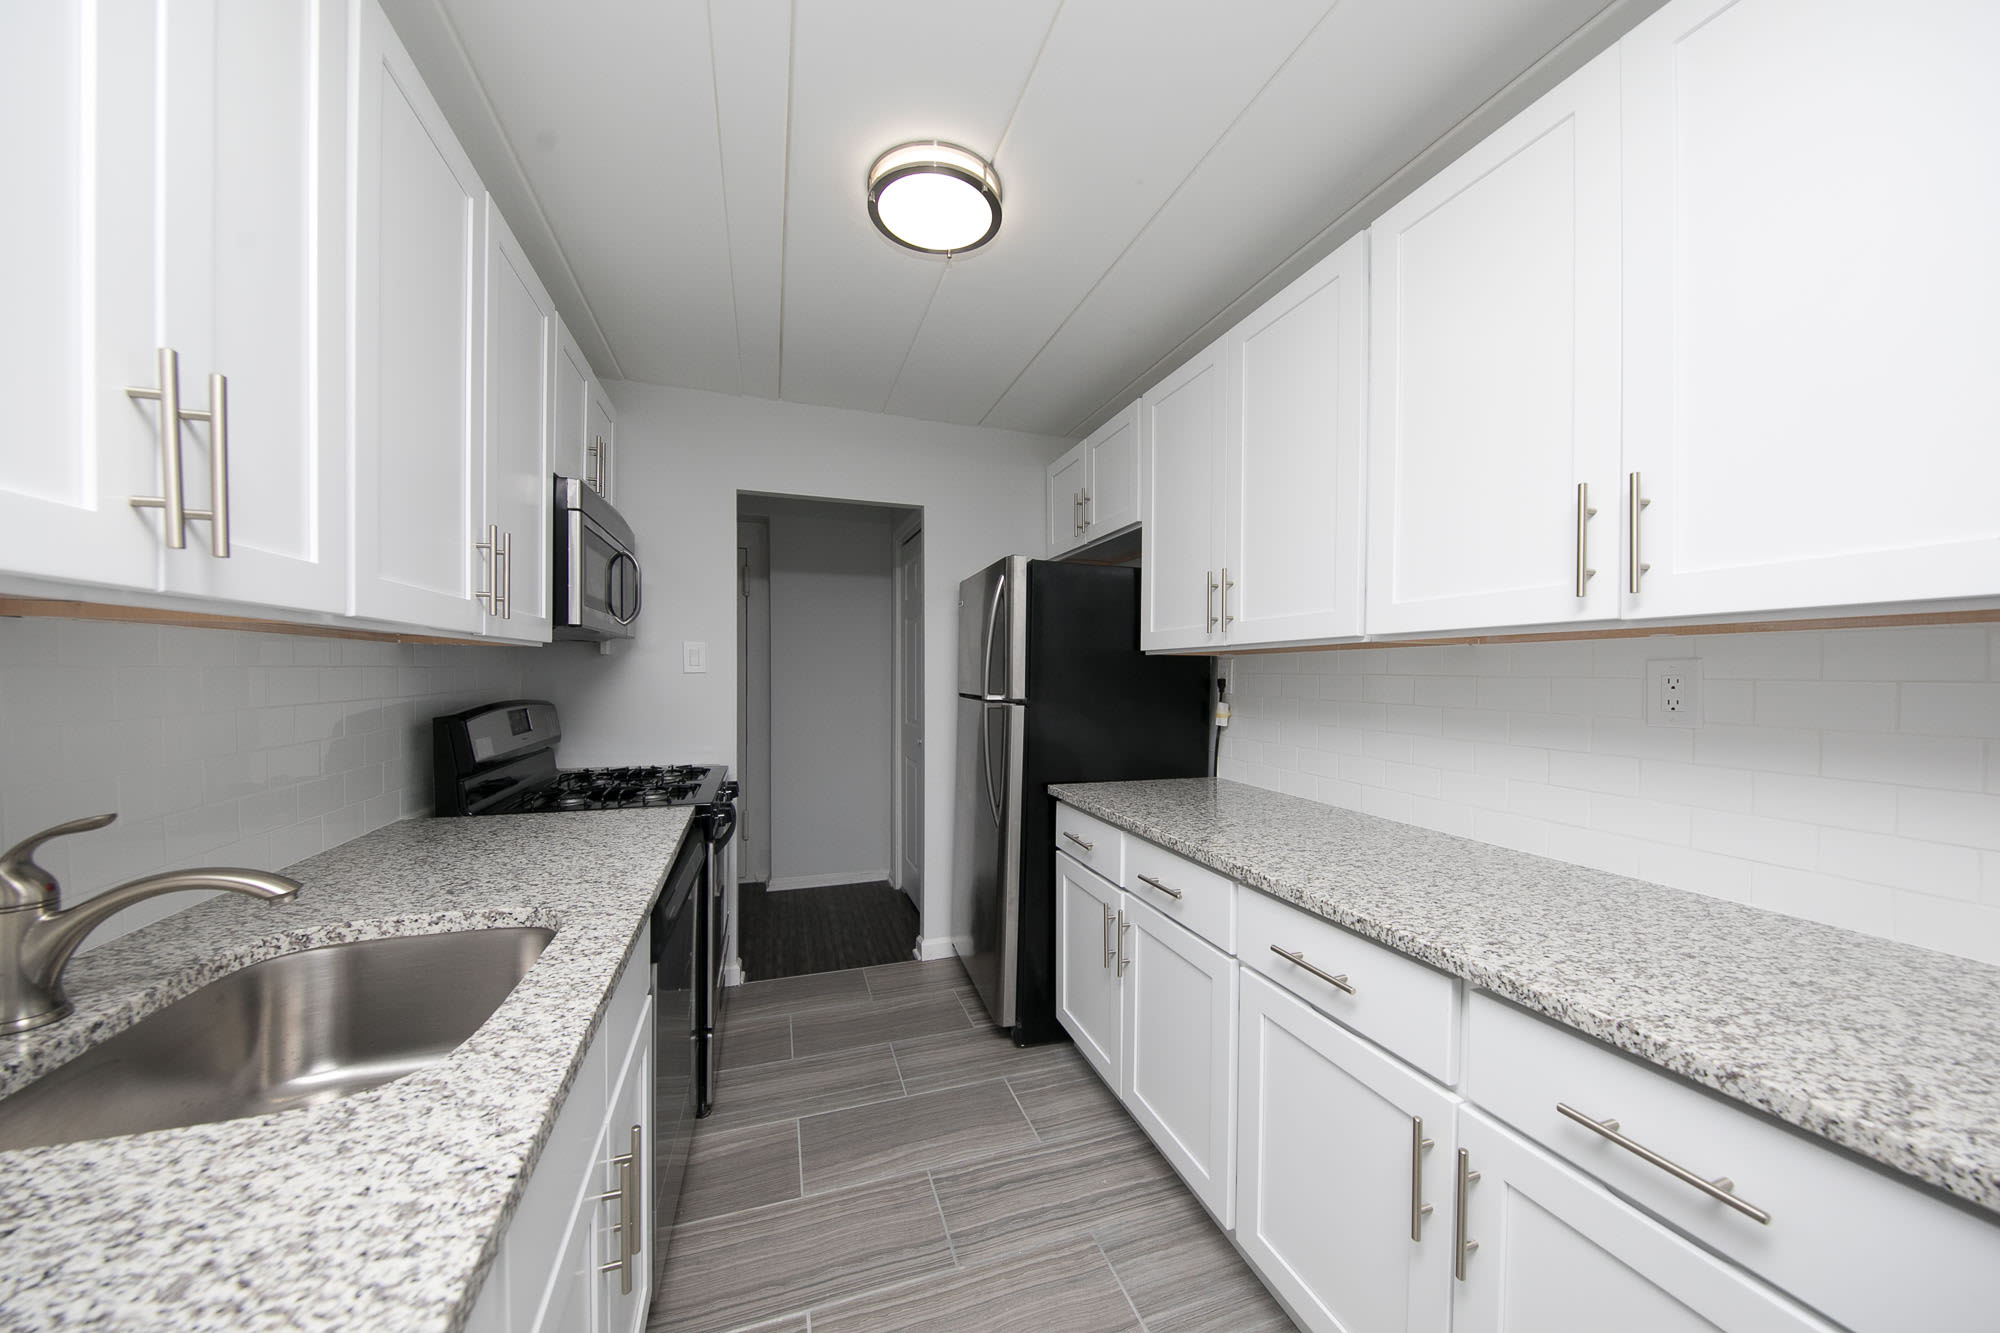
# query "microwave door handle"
(612, 574)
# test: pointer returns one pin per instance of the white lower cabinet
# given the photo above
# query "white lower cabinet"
(1548, 1250)
(621, 1221)
(1344, 1161)
(1089, 923)
(1179, 1051)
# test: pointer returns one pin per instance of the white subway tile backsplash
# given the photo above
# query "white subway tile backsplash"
(213, 746)
(1847, 776)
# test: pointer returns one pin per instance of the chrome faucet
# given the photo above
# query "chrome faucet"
(37, 936)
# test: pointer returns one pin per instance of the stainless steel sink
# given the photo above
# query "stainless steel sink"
(291, 1031)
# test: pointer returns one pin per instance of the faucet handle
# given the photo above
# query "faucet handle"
(25, 884)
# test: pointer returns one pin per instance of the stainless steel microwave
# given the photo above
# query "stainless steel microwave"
(597, 594)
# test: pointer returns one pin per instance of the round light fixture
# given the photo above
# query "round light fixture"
(934, 197)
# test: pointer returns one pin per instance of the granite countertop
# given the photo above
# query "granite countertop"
(377, 1211)
(1886, 1049)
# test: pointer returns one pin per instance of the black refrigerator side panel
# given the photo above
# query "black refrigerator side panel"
(1098, 710)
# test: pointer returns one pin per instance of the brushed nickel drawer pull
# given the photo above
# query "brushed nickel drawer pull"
(1722, 1189)
(1148, 879)
(627, 1226)
(1462, 1244)
(1087, 846)
(1584, 513)
(1300, 959)
(1635, 502)
(1227, 584)
(1110, 949)
(1124, 959)
(1208, 603)
(1419, 1145)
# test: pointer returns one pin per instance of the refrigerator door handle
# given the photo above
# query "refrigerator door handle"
(992, 625)
(993, 799)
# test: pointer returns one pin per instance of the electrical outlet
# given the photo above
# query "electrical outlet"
(694, 656)
(1673, 693)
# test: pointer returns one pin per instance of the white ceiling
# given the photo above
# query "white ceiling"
(688, 174)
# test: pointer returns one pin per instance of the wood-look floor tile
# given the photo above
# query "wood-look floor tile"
(733, 1270)
(1014, 1203)
(756, 1041)
(788, 994)
(834, 1029)
(786, 1091)
(898, 981)
(937, 1129)
(1184, 1275)
(978, 1054)
(733, 1169)
(1067, 1110)
(656, 1322)
(1067, 1288)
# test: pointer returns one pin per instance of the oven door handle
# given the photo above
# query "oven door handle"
(724, 827)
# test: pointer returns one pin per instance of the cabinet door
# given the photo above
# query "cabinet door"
(1181, 424)
(519, 373)
(1089, 930)
(572, 399)
(1180, 1051)
(1292, 471)
(1812, 429)
(1069, 478)
(1343, 1171)
(1557, 1253)
(600, 438)
(253, 200)
(1493, 377)
(628, 1130)
(1111, 497)
(417, 466)
(77, 88)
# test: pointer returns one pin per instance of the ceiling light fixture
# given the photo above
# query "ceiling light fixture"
(934, 197)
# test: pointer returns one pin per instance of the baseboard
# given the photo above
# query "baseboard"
(930, 947)
(783, 882)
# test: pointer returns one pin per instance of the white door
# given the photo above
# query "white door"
(1813, 428)
(1292, 472)
(419, 536)
(572, 395)
(1180, 1051)
(1069, 478)
(520, 348)
(1493, 377)
(253, 198)
(1182, 422)
(910, 717)
(1111, 499)
(1557, 1253)
(77, 89)
(599, 450)
(1343, 1171)
(1089, 964)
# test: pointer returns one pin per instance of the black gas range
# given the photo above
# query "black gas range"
(500, 759)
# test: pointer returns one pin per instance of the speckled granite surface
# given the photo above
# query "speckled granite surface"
(380, 1211)
(1887, 1049)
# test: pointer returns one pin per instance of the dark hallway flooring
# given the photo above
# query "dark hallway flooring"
(794, 932)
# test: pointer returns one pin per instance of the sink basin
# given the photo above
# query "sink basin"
(291, 1031)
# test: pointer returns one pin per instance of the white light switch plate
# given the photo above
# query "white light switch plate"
(1673, 693)
(694, 656)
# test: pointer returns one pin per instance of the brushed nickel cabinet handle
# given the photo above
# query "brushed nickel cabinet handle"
(1722, 1189)
(1208, 602)
(1124, 959)
(1584, 513)
(628, 1225)
(1172, 893)
(503, 565)
(1087, 846)
(1110, 949)
(1635, 503)
(1462, 1244)
(1227, 584)
(1089, 511)
(594, 478)
(218, 470)
(173, 485)
(488, 596)
(1075, 512)
(1300, 960)
(1419, 1145)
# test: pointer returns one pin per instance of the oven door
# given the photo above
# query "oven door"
(598, 584)
(676, 1038)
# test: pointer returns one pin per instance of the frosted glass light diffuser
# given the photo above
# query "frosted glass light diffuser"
(934, 197)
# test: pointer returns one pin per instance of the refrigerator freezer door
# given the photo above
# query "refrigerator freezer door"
(993, 631)
(988, 849)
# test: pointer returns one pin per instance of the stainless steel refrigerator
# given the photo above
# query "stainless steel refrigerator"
(1052, 687)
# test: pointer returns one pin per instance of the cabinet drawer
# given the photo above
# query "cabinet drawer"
(1092, 842)
(1182, 891)
(1397, 1001)
(1846, 1238)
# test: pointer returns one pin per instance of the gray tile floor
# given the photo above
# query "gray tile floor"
(881, 1159)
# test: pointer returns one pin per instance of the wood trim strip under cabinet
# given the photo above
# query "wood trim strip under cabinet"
(149, 615)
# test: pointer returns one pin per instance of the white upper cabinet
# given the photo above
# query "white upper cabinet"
(188, 168)
(1111, 501)
(1494, 377)
(572, 406)
(521, 339)
(1069, 478)
(421, 553)
(1811, 416)
(1182, 424)
(1292, 468)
